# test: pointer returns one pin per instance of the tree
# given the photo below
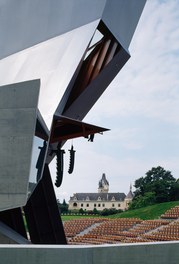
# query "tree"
(95, 211)
(81, 211)
(141, 201)
(159, 183)
(175, 191)
(110, 211)
(63, 207)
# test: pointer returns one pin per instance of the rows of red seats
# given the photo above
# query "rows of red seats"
(172, 213)
(123, 230)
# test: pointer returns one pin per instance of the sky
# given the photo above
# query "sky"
(141, 109)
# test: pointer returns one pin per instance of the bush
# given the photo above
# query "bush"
(95, 211)
(110, 211)
(81, 211)
(141, 201)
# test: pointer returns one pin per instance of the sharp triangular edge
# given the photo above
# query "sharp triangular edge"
(65, 128)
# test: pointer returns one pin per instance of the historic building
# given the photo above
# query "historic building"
(102, 199)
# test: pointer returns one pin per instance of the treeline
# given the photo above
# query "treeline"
(104, 212)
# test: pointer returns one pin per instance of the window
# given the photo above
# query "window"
(119, 205)
(103, 205)
(81, 205)
(99, 205)
(87, 205)
(74, 204)
(113, 205)
(94, 205)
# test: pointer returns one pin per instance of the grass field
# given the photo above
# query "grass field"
(73, 217)
(145, 213)
(149, 212)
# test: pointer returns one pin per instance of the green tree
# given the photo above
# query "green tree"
(63, 207)
(81, 211)
(141, 201)
(160, 183)
(109, 211)
(95, 211)
(175, 191)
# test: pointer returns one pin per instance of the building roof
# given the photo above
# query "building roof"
(98, 197)
(130, 195)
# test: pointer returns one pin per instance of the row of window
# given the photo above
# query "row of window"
(99, 199)
(95, 205)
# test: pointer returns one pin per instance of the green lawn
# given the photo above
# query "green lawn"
(145, 213)
(149, 212)
(72, 217)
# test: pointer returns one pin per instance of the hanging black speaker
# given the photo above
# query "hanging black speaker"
(72, 160)
(59, 166)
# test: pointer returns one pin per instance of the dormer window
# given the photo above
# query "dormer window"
(87, 198)
(113, 199)
(99, 198)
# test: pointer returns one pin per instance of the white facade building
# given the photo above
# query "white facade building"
(101, 200)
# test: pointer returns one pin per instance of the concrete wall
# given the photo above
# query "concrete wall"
(18, 107)
(148, 253)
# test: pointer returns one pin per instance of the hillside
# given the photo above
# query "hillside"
(146, 213)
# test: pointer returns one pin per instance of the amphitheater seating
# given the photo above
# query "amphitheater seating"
(120, 231)
(173, 213)
(167, 233)
(74, 227)
(137, 240)
(107, 231)
(145, 226)
(123, 230)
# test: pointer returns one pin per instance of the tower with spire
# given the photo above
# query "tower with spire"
(129, 196)
(103, 186)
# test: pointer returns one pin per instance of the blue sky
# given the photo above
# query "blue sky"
(141, 107)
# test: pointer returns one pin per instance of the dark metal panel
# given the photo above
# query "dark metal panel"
(66, 128)
(14, 219)
(42, 214)
(81, 106)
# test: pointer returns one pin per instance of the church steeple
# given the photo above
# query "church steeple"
(130, 195)
(103, 185)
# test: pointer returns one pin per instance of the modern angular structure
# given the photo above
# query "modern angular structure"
(56, 59)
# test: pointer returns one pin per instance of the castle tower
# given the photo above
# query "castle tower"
(103, 185)
(129, 196)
